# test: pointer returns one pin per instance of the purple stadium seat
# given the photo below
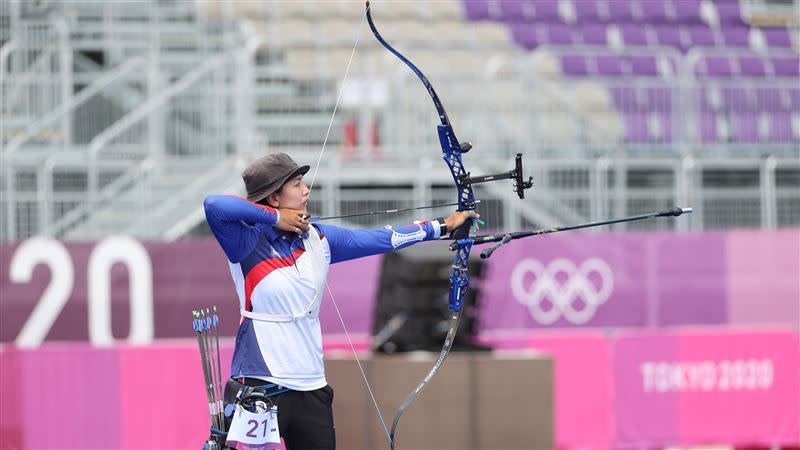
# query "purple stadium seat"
(777, 37)
(716, 66)
(752, 66)
(609, 65)
(558, 34)
(687, 11)
(633, 34)
(737, 99)
(594, 34)
(708, 128)
(702, 36)
(661, 127)
(574, 65)
(669, 35)
(736, 36)
(771, 99)
(670, 63)
(745, 127)
(546, 11)
(644, 65)
(525, 35)
(587, 11)
(477, 9)
(780, 127)
(794, 100)
(513, 11)
(620, 11)
(625, 99)
(729, 13)
(659, 99)
(655, 12)
(709, 99)
(636, 128)
(786, 66)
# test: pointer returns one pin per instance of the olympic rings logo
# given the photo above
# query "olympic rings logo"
(562, 296)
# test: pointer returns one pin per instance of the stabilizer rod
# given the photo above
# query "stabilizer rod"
(505, 238)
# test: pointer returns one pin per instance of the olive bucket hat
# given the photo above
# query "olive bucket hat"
(267, 174)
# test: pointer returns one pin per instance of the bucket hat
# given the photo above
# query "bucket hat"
(267, 174)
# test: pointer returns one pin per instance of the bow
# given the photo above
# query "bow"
(459, 276)
(452, 151)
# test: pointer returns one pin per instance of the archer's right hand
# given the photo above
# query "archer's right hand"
(293, 220)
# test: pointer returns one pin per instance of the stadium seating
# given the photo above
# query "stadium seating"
(684, 48)
(633, 40)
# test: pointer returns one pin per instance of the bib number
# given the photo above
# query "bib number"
(254, 431)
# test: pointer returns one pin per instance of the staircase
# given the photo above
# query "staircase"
(160, 198)
(148, 119)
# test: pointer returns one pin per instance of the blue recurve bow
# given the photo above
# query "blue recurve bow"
(459, 277)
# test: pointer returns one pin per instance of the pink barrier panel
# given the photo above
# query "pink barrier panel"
(70, 397)
(77, 397)
(747, 387)
(355, 287)
(642, 417)
(653, 389)
(163, 393)
(186, 275)
(606, 280)
(762, 277)
(10, 399)
(582, 388)
(558, 281)
(124, 397)
(636, 390)
(707, 387)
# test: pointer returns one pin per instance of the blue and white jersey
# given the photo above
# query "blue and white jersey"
(276, 275)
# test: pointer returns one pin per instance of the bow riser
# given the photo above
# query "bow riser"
(459, 278)
(451, 153)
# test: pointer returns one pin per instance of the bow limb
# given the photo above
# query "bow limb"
(459, 276)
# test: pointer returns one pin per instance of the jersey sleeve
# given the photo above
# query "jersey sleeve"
(231, 219)
(347, 244)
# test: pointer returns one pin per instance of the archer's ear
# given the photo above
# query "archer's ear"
(272, 200)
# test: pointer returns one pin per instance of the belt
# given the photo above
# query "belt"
(264, 387)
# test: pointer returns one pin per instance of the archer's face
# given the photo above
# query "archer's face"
(293, 195)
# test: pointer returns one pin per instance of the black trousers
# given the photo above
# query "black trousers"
(305, 418)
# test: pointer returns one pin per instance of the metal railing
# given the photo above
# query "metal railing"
(175, 105)
(35, 75)
(130, 175)
(99, 88)
(144, 128)
(83, 104)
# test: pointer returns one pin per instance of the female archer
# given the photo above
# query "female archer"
(279, 263)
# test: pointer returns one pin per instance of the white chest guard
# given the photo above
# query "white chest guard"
(313, 247)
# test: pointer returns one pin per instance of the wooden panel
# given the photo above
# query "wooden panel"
(475, 401)
(353, 412)
(514, 402)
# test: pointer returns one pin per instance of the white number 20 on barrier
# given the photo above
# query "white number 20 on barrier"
(115, 249)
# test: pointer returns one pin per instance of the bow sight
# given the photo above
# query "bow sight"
(520, 184)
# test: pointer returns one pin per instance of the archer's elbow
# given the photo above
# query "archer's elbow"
(211, 205)
(210, 202)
